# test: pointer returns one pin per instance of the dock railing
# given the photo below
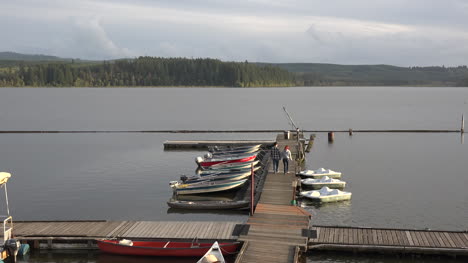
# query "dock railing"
(7, 227)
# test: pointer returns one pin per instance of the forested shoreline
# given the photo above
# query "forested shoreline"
(146, 71)
(22, 70)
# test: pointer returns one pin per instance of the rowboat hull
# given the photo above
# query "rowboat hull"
(231, 159)
(162, 248)
(207, 187)
(218, 177)
(214, 255)
(230, 166)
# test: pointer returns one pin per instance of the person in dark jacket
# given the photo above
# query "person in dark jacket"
(275, 156)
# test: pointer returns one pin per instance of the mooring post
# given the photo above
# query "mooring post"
(350, 132)
(462, 129)
(252, 190)
(331, 137)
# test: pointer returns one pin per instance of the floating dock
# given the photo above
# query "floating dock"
(387, 240)
(82, 234)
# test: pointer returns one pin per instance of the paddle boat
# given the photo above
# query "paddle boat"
(321, 172)
(209, 160)
(326, 195)
(324, 181)
(214, 255)
(161, 248)
(205, 186)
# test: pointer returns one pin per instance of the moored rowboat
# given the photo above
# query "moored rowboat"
(221, 166)
(214, 255)
(161, 248)
(205, 186)
(204, 161)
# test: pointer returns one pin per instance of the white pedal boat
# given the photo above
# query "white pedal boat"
(321, 182)
(326, 195)
(321, 172)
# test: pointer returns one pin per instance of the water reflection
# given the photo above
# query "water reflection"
(344, 257)
(95, 256)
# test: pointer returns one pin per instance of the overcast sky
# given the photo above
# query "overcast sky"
(397, 32)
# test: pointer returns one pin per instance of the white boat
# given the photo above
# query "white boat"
(11, 247)
(205, 186)
(214, 255)
(321, 172)
(326, 195)
(324, 181)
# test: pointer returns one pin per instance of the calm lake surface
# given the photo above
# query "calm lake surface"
(398, 180)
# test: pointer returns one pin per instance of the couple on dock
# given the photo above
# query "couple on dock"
(277, 155)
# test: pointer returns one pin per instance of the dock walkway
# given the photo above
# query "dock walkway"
(390, 240)
(276, 228)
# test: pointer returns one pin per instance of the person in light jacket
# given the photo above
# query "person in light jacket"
(286, 156)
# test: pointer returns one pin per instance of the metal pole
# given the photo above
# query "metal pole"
(6, 198)
(252, 190)
(289, 117)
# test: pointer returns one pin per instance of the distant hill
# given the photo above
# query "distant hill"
(317, 74)
(28, 57)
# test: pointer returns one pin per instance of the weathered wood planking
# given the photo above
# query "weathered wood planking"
(127, 229)
(276, 226)
(389, 237)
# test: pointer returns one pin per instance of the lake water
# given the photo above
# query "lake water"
(401, 180)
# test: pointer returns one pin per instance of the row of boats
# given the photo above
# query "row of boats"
(325, 185)
(221, 169)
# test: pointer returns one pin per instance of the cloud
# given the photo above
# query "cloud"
(89, 39)
(401, 32)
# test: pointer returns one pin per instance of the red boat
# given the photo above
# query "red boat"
(206, 162)
(162, 248)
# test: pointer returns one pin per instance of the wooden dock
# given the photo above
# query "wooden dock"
(277, 230)
(82, 234)
(390, 240)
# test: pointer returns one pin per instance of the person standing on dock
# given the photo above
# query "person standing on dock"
(275, 156)
(286, 155)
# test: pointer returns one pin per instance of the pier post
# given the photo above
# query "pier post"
(462, 129)
(252, 190)
(350, 132)
(331, 137)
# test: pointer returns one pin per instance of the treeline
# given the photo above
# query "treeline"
(315, 74)
(146, 71)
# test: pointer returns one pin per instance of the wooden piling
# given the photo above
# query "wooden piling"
(350, 132)
(462, 129)
(331, 136)
(311, 143)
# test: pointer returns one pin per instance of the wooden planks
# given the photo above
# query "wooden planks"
(276, 226)
(127, 229)
(390, 237)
